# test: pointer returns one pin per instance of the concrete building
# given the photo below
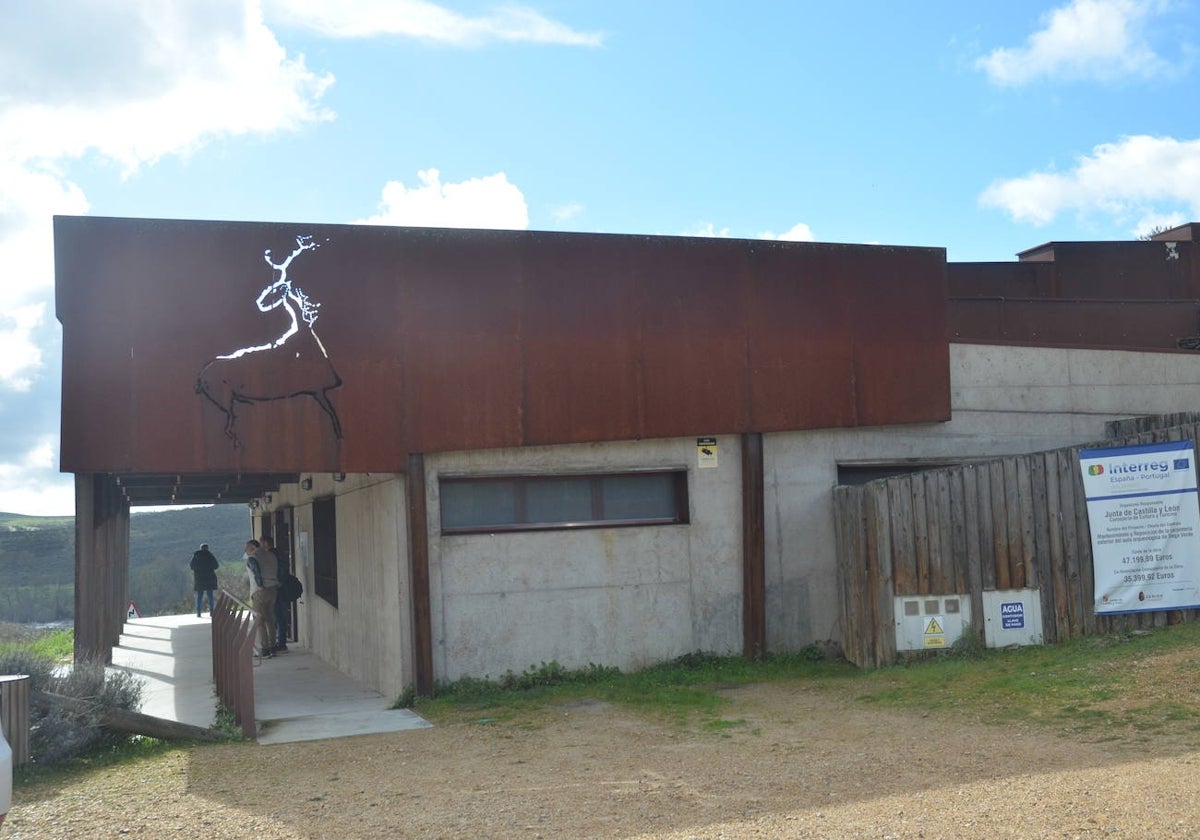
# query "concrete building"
(504, 449)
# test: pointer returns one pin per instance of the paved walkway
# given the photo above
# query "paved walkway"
(297, 697)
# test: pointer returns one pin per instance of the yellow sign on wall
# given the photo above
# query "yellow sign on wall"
(935, 636)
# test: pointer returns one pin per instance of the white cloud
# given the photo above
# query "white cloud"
(31, 484)
(20, 355)
(28, 200)
(1086, 39)
(164, 79)
(489, 202)
(130, 83)
(426, 21)
(1137, 175)
(707, 230)
(566, 212)
(1151, 222)
(799, 232)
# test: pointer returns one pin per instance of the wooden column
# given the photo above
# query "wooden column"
(88, 610)
(117, 525)
(101, 566)
(418, 566)
(754, 589)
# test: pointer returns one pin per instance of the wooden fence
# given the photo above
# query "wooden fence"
(234, 630)
(1010, 523)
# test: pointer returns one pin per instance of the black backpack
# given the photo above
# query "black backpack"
(290, 588)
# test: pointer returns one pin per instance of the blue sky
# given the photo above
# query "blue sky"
(983, 128)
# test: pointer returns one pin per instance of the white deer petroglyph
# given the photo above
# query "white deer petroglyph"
(293, 365)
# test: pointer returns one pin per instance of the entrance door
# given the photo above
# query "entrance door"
(283, 547)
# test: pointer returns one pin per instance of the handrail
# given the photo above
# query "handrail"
(235, 626)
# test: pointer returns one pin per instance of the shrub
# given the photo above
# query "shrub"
(59, 732)
(970, 644)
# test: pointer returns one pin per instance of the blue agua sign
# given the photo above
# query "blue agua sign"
(1012, 615)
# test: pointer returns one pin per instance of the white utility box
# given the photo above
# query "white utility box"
(930, 622)
(1012, 617)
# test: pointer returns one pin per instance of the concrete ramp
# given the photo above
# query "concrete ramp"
(297, 696)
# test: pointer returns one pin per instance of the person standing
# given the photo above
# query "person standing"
(262, 568)
(283, 607)
(204, 577)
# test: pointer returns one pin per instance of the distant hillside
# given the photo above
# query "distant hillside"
(37, 559)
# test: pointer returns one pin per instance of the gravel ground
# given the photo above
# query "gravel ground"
(789, 761)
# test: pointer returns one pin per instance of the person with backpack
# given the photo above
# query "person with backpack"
(204, 577)
(288, 593)
(262, 569)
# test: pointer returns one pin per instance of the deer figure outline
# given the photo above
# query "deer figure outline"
(295, 364)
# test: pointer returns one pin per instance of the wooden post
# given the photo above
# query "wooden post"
(754, 589)
(14, 716)
(88, 609)
(418, 565)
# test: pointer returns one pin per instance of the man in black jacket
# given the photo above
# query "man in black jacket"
(204, 577)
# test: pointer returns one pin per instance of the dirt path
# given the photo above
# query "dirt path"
(787, 762)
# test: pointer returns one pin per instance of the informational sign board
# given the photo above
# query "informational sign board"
(1012, 615)
(706, 452)
(1145, 521)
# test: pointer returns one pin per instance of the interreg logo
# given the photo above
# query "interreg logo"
(1096, 469)
(1183, 464)
(1143, 467)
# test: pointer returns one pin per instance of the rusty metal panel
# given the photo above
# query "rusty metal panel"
(238, 348)
(459, 337)
(694, 358)
(975, 320)
(901, 373)
(1000, 279)
(580, 336)
(1126, 270)
(801, 331)
(1123, 324)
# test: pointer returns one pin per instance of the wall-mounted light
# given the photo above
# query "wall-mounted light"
(254, 504)
(306, 483)
(339, 476)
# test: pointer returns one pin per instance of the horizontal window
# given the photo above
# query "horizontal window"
(524, 503)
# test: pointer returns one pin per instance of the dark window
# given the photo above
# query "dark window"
(524, 503)
(324, 549)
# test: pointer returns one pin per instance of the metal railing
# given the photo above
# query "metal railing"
(235, 626)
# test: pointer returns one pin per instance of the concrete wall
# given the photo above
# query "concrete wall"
(614, 596)
(369, 634)
(633, 596)
(1006, 400)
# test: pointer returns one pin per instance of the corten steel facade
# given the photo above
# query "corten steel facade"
(208, 361)
(233, 362)
(1143, 295)
(438, 340)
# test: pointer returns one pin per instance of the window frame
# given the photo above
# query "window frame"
(324, 549)
(679, 488)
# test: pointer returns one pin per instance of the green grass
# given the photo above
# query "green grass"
(135, 749)
(58, 645)
(1095, 686)
(680, 691)
(1084, 685)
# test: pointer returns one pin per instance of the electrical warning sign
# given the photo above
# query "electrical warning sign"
(935, 636)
